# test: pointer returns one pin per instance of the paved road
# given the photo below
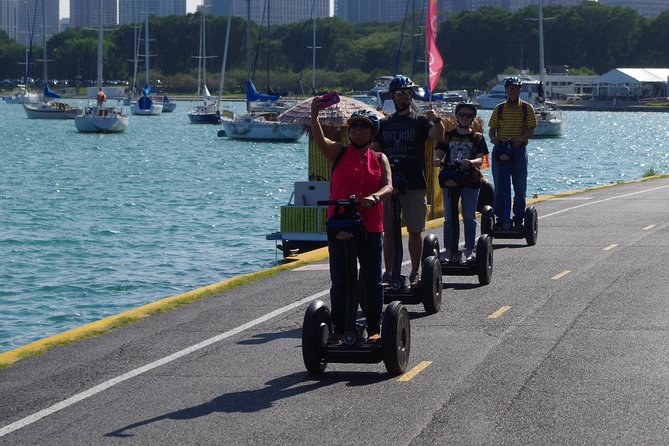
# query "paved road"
(567, 346)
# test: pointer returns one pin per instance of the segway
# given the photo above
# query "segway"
(345, 226)
(502, 228)
(451, 179)
(429, 292)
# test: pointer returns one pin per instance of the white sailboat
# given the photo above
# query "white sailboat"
(207, 111)
(47, 107)
(145, 105)
(101, 118)
(549, 115)
(260, 124)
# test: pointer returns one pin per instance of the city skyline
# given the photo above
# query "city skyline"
(64, 6)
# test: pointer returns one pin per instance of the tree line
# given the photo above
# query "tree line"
(475, 45)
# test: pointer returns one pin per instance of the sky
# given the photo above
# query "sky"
(191, 6)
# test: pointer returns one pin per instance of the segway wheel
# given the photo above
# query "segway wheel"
(396, 338)
(531, 224)
(316, 328)
(431, 284)
(430, 246)
(484, 259)
(487, 220)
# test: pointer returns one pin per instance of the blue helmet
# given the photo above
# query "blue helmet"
(400, 82)
(367, 116)
(513, 80)
(465, 104)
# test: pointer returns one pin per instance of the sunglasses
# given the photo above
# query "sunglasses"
(465, 115)
(359, 125)
(406, 92)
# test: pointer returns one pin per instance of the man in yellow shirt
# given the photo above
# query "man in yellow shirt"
(511, 124)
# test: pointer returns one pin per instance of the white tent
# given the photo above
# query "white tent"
(632, 83)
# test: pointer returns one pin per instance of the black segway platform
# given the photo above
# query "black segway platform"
(529, 230)
(319, 346)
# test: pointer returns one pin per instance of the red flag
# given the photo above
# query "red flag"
(435, 62)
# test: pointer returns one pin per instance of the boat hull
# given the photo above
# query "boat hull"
(169, 107)
(97, 121)
(257, 130)
(154, 110)
(50, 111)
(548, 129)
(204, 118)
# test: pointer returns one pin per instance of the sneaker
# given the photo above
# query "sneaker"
(387, 277)
(414, 279)
(376, 337)
(455, 258)
(335, 338)
(470, 256)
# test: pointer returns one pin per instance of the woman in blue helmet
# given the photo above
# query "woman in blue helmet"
(462, 152)
(357, 170)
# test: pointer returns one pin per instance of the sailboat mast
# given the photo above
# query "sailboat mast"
(248, 48)
(541, 43)
(99, 44)
(146, 42)
(45, 79)
(225, 59)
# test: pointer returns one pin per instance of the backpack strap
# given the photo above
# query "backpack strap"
(339, 157)
(379, 156)
(523, 105)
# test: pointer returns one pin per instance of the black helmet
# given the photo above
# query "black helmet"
(400, 82)
(365, 115)
(513, 80)
(465, 104)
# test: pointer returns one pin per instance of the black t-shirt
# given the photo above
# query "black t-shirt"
(458, 147)
(402, 139)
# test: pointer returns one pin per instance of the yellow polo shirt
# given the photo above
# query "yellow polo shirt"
(511, 124)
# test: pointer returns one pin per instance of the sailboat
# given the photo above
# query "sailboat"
(207, 112)
(101, 118)
(46, 107)
(259, 123)
(549, 115)
(145, 105)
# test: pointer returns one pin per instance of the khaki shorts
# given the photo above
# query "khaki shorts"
(414, 210)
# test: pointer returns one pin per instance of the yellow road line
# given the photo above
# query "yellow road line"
(561, 275)
(610, 247)
(499, 312)
(415, 371)
(648, 227)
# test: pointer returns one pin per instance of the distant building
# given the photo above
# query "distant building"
(361, 11)
(281, 12)
(84, 13)
(63, 25)
(133, 11)
(18, 16)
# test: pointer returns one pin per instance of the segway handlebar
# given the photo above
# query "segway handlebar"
(346, 204)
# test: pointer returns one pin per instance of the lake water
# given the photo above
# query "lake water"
(92, 225)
